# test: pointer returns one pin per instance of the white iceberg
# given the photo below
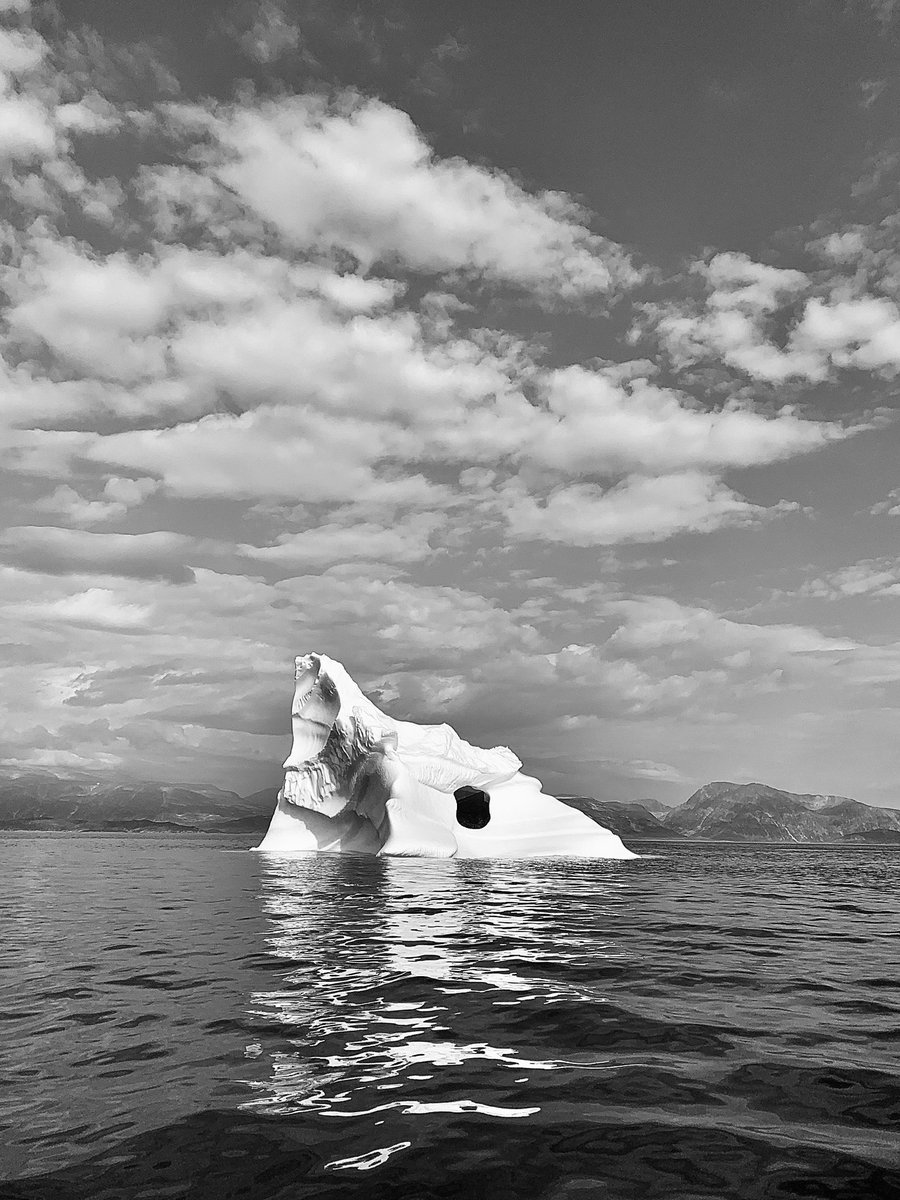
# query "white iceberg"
(359, 782)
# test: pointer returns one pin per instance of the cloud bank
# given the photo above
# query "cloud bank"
(276, 375)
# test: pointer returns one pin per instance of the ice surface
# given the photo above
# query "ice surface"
(359, 782)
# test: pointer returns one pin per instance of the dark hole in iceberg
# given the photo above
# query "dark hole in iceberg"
(472, 807)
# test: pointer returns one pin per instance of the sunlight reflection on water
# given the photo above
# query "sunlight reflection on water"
(371, 933)
(711, 1021)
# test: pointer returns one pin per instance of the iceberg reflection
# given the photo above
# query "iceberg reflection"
(396, 970)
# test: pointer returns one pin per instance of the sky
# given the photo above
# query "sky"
(537, 361)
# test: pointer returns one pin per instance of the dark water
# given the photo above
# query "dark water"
(178, 1018)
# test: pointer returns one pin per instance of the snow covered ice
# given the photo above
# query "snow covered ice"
(360, 782)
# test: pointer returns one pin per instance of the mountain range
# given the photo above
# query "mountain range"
(629, 820)
(42, 800)
(755, 812)
(38, 800)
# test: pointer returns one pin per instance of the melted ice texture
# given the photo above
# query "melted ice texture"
(358, 781)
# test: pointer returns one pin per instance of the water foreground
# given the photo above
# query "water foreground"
(182, 1018)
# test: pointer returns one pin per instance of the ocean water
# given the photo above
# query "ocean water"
(179, 1017)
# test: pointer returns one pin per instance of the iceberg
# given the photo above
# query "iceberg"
(357, 781)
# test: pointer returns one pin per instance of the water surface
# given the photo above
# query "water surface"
(181, 1018)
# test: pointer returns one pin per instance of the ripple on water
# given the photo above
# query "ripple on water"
(201, 1023)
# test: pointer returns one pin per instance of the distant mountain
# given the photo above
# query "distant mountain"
(655, 806)
(717, 812)
(263, 801)
(755, 812)
(43, 800)
(880, 837)
(628, 820)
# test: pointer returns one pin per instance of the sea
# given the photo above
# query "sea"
(180, 1017)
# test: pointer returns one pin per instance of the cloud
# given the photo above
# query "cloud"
(639, 509)
(218, 654)
(329, 393)
(402, 541)
(25, 132)
(889, 507)
(369, 364)
(40, 120)
(95, 314)
(755, 319)
(48, 549)
(862, 333)
(282, 335)
(93, 114)
(271, 35)
(117, 497)
(268, 719)
(79, 511)
(260, 372)
(403, 621)
(96, 608)
(356, 175)
(882, 11)
(600, 424)
(128, 492)
(21, 51)
(654, 624)
(730, 323)
(871, 90)
(739, 282)
(270, 452)
(868, 577)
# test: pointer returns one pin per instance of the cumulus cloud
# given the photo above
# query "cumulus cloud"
(78, 511)
(270, 452)
(599, 423)
(216, 368)
(331, 378)
(21, 51)
(868, 577)
(42, 112)
(116, 498)
(730, 322)
(269, 375)
(271, 34)
(639, 509)
(889, 506)
(757, 319)
(356, 175)
(863, 332)
(739, 282)
(26, 133)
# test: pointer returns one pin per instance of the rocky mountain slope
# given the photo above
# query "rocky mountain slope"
(657, 807)
(42, 800)
(755, 812)
(627, 820)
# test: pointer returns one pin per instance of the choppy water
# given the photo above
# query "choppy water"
(179, 1018)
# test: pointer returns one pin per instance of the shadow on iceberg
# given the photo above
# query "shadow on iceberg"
(357, 781)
